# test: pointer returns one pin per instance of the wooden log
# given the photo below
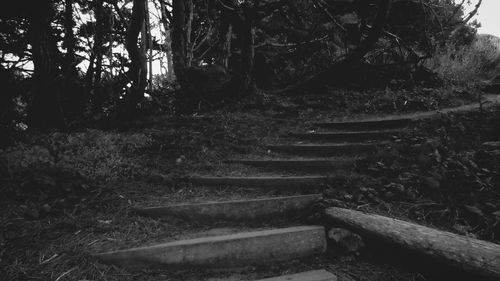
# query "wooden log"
(474, 256)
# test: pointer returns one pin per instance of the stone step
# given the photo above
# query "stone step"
(297, 164)
(361, 125)
(258, 182)
(235, 250)
(347, 136)
(237, 210)
(313, 275)
(325, 150)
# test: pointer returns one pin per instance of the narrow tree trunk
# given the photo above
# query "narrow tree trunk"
(150, 48)
(181, 38)
(138, 67)
(168, 40)
(226, 34)
(189, 22)
(69, 39)
(170, 60)
(111, 40)
(468, 254)
(98, 41)
(44, 109)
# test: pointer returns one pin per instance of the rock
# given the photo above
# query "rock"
(180, 160)
(497, 215)
(345, 240)
(159, 179)
(431, 183)
(461, 229)
(348, 197)
(389, 195)
(396, 187)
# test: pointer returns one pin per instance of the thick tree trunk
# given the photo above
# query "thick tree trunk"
(181, 38)
(471, 255)
(44, 109)
(241, 17)
(138, 66)
(247, 52)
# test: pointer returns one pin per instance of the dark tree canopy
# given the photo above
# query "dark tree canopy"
(81, 61)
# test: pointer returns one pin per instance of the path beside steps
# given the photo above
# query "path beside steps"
(328, 147)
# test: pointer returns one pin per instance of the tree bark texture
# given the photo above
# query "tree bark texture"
(181, 38)
(138, 66)
(471, 255)
(44, 109)
(241, 18)
(69, 39)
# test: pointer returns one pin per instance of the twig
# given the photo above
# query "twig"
(290, 45)
(65, 273)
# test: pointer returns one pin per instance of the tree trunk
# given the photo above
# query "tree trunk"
(168, 40)
(98, 41)
(138, 66)
(181, 38)
(471, 255)
(150, 48)
(241, 18)
(44, 109)
(69, 40)
(226, 47)
(170, 59)
(247, 35)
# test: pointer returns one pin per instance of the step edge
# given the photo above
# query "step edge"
(215, 239)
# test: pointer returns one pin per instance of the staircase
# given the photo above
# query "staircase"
(303, 163)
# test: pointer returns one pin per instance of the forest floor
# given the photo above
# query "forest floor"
(67, 195)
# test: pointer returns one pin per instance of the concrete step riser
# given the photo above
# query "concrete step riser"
(260, 182)
(366, 125)
(314, 275)
(325, 151)
(340, 137)
(244, 210)
(306, 166)
(237, 250)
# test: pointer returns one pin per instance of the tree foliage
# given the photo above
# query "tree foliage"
(80, 61)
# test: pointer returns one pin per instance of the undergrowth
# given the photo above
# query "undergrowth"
(441, 175)
(68, 193)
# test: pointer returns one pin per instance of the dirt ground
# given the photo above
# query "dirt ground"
(69, 195)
